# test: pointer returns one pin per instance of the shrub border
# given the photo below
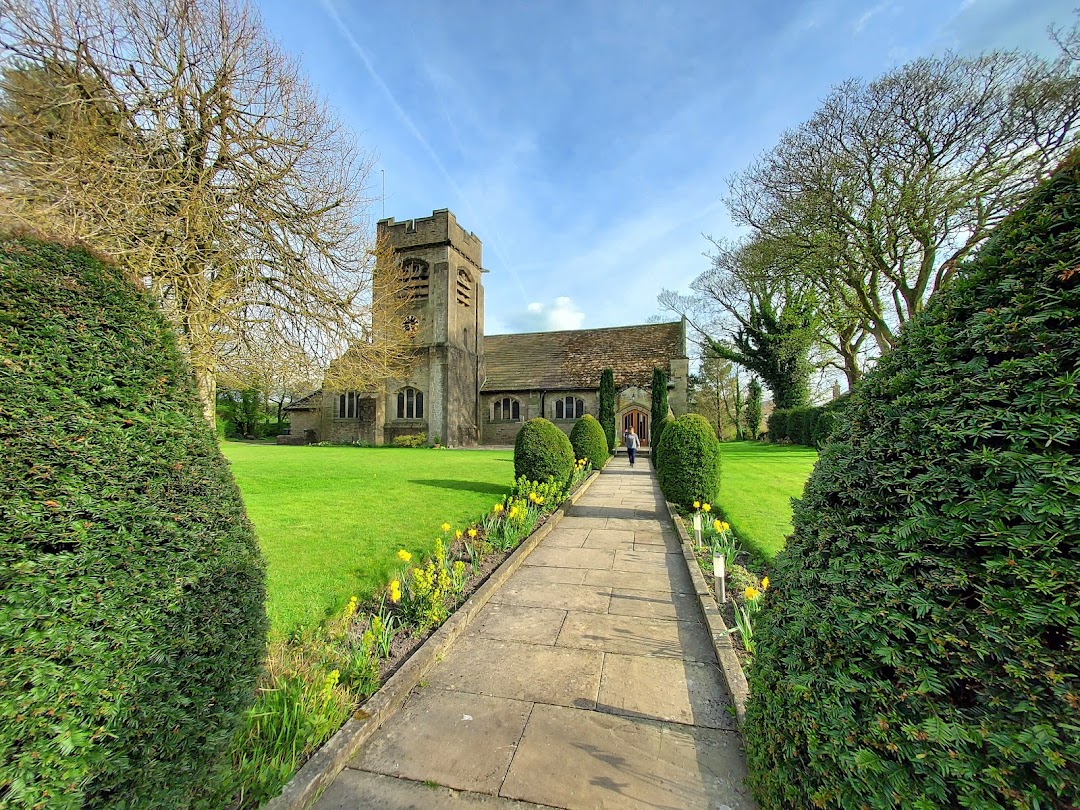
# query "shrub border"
(326, 763)
(730, 668)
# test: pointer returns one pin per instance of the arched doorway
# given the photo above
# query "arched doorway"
(639, 421)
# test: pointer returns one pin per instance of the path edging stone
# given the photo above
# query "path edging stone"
(328, 761)
(730, 667)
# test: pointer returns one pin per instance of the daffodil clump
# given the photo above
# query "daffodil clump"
(744, 613)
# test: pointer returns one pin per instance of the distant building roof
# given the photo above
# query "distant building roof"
(311, 402)
(575, 359)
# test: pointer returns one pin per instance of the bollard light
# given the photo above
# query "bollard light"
(697, 529)
(718, 565)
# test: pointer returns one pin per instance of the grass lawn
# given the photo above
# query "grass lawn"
(330, 520)
(757, 482)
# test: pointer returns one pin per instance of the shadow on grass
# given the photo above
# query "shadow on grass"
(468, 486)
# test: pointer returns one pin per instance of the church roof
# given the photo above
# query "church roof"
(575, 359)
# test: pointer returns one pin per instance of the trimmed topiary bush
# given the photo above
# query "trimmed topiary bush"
(607, 406)
(689, 467)
(132, 625)
(920, 644)
(542, 451)
(588, 440)
(659, 402)
(658, 435)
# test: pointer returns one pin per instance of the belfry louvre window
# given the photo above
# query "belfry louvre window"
(506, 409)
(410, 404)
(569, 408)
(464, 289)
(348, 405)
(414, 277)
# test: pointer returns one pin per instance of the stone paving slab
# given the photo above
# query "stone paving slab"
(508, 669)
(620, 762)
(360, 790)
(672, 583)
(571, 557)
(531, 625)
(609, 539)
(634, 635)
(567, 538)
(648, 562)
(462, 741)
(555, 595)
(538, 574)
(688, 692)
(653, 604)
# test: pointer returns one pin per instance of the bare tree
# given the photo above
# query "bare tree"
(893, 183)
(176, 137)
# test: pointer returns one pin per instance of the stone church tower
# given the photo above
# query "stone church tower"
(441, 264)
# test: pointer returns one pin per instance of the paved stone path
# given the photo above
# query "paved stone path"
(588, 681)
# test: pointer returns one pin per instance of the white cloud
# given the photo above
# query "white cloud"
(559, 315)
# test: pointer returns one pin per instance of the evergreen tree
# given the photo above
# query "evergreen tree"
(607, 405)
(659, 399)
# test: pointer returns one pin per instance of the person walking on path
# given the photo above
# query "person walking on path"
(630, 439)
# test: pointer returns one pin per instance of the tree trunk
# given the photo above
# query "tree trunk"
(206, 387)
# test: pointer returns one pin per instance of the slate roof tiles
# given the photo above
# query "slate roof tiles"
(575, 359)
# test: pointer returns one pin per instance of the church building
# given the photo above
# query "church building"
(467, 388)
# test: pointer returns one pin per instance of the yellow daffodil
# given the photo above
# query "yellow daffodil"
(472, 532)
(697, 504)
(540, 499)
(446, 527)
(497, 508)
(752, 592)
(706, 508)
(395, 591)
(404, 556)
(716, 524)
(765, 584)
(457, 534)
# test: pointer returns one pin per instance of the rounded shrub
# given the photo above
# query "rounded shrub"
(542, 451)
(132, 625)
(589, 441)
(920, 643)
(689, 466)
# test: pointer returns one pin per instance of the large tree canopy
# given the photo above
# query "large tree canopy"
(892, 183)
(176, 137)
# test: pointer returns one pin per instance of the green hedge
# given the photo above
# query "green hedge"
(588, 440)
(920, 643)
(132, 625)
(777, 425)
(542, 451)
(808, 426)
(689, 467)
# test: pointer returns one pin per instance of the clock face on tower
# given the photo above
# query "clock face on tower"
(411, 324)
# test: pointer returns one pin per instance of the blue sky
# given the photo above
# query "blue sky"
(588, 144)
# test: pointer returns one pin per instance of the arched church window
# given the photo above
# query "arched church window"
(410, 404)
(569, 408)
(348, 405)
(464, 288)
(415, 274)
(506, 409)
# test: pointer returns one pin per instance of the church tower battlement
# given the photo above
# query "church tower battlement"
(440, 264)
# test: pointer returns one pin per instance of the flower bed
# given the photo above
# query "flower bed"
(317, 679)
(745, 580)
